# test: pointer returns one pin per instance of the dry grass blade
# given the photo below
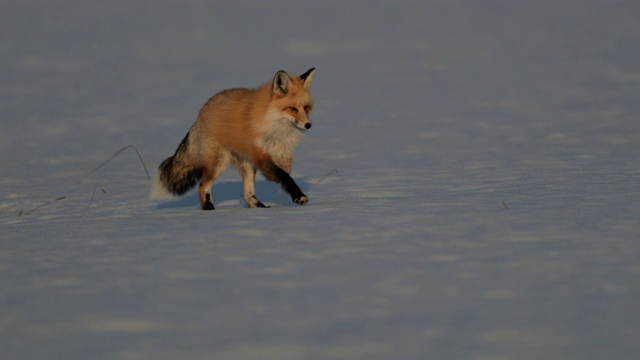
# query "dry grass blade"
(334, 171)
(113, 156)
(504, 204)
(94, 193)
(41, 205)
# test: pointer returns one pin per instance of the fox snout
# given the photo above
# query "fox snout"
(302, 124)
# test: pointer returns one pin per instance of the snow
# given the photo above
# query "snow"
(472, 171)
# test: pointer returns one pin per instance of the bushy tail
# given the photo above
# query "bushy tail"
(177, 174)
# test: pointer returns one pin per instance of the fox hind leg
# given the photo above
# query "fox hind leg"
(204, 190)
(209, 175)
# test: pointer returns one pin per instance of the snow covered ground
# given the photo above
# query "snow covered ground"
(481, 198)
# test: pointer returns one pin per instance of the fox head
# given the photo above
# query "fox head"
(293, 97)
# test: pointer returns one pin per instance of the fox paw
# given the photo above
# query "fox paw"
(301, 200)
(253, 202)
(208, 206)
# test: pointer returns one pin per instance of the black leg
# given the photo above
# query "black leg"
(208, 204)
(273, 172)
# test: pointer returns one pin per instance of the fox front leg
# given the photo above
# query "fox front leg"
(248, 173)
(274, 173)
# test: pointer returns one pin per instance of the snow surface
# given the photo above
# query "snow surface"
(481, 198)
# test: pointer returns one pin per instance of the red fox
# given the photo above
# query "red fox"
(253, 129)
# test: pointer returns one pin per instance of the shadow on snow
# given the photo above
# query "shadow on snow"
(225, 192)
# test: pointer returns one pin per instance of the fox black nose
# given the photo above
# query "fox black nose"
(307, 125)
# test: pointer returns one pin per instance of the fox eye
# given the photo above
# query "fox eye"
(307, 108)
(293, 109)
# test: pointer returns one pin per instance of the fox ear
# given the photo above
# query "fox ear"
(281, 83)
(307, 77)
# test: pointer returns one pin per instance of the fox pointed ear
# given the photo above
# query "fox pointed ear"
(307, 77)
(281, 83)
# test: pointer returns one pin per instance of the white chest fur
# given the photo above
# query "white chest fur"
(279, 137)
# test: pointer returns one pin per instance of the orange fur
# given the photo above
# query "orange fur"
(253, 129)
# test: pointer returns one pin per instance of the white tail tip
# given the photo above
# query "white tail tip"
(158, 191)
